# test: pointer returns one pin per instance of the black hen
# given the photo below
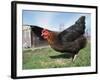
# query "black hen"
(71, 40)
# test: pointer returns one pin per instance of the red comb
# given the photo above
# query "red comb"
(44, 30)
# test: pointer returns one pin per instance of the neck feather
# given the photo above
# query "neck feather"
(52, 38)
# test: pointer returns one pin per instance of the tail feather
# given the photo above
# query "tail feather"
(81, 20)
(74, 31)
(80, 25)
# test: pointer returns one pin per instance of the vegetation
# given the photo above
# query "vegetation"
(48, 58)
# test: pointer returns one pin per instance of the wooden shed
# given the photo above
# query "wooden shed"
(31, 37)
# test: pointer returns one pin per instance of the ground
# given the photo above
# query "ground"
(48, 58)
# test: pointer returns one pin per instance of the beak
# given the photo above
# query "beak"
(42, 34)
(43, 30)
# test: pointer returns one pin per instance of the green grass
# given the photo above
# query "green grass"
(48, 58)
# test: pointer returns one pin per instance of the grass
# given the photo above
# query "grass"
(48, 58)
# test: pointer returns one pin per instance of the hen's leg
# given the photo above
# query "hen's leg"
(74, 57)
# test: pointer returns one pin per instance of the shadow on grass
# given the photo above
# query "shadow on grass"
(65, 55)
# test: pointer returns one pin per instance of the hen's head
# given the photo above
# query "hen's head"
(45, 33)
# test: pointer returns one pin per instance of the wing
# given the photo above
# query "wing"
(74, 31)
